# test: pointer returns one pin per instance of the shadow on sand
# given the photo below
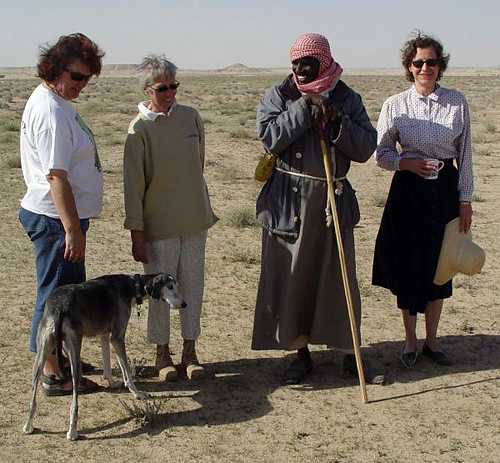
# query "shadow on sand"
(240, 389)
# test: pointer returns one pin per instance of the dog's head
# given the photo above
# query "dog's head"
(164, 287)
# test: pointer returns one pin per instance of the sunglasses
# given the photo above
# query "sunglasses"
(419, 63)
(78, 76)
(164, 87)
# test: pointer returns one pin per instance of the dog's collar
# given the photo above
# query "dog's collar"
(139, 289)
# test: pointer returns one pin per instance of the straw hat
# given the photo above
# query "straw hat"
(458, 254)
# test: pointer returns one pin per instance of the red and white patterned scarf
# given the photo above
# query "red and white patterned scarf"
(317, 46)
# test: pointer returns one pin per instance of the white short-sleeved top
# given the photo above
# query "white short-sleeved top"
(52, 138)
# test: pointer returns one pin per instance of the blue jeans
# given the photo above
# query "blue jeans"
(48, 238)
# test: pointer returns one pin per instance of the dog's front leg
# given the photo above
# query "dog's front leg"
(106, 364)
(121, 354)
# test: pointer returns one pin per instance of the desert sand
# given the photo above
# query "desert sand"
(243, 414)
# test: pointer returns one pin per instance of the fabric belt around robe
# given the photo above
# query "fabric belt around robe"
(339, 186)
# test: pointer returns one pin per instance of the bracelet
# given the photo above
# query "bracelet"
(464, 203)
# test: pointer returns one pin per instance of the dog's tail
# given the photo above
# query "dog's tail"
(58, 320)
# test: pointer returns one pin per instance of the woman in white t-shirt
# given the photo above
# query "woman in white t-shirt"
(63, 177)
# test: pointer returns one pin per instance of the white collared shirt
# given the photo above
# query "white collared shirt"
(433, 126)
(151, 115)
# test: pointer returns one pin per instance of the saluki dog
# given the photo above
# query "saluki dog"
(97, 307)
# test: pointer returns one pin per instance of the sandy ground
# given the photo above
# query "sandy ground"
(430, 414)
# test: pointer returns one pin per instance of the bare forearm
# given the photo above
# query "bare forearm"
(64, 200)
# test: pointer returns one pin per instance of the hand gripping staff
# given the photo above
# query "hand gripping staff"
(329, 171)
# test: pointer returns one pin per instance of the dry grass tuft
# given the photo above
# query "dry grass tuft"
(379, 200)
(466, 327)
(240, 134)
(147, 413)
(241, 218)
(245, 256)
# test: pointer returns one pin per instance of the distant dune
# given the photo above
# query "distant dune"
(239, 68)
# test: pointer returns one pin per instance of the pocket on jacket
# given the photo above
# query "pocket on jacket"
(278, 211)
(348, 207)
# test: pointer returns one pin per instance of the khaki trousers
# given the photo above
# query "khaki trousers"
(184, 258)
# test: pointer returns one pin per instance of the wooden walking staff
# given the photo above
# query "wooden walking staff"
(343, 267)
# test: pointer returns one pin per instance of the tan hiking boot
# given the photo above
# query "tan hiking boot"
(164, 363)
(190, 361)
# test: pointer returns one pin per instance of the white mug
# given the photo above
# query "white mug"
(437, 166)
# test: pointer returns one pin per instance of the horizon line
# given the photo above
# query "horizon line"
(264, 67)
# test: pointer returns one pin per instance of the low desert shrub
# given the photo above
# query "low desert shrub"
(240, 133)
(245, 256)
(11, 126)
(147, 413)
(379, 201)
(241, 218)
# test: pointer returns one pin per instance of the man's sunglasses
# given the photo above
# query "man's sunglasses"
(164, 87)
(78, 76)
(419, 63)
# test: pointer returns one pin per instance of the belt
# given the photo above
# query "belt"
(339, 187)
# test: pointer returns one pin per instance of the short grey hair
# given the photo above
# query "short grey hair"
(154, 68)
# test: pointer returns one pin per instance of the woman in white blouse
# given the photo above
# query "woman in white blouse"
(432, 128)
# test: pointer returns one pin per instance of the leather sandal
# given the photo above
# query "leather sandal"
(53, 386)
(87, 368)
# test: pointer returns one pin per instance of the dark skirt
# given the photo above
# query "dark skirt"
(410, 236)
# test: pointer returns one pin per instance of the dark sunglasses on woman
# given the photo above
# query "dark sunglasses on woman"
(78, 76)
(419, 63)
(164, 87)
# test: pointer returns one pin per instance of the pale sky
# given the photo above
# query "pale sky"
(211, 34)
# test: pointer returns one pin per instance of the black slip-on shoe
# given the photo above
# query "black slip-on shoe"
(408, 359)
(438, 357)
